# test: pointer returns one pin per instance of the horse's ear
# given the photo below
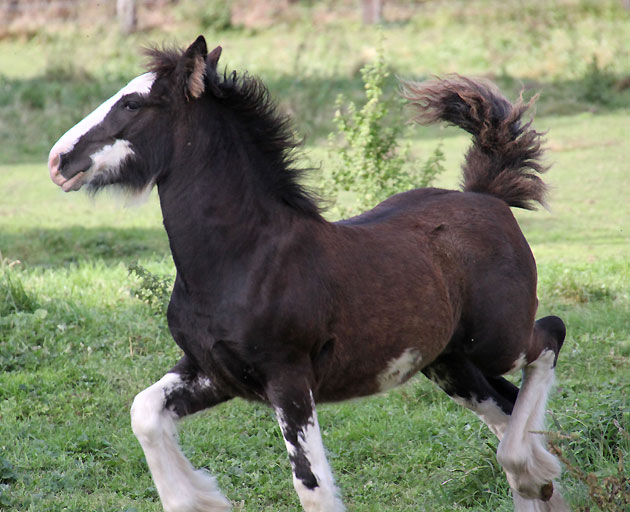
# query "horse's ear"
(213, 58)
(192, 68)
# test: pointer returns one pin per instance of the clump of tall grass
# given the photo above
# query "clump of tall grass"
(14, 298)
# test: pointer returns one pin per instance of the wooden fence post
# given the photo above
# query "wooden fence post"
(127, 15)
(372, 11)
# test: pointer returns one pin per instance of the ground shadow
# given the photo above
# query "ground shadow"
(53, 247)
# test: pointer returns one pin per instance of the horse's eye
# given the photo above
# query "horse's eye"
(131, 105)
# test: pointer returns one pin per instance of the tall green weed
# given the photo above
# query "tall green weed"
(153, 289)
(368, 156)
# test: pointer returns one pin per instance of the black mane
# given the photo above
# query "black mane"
(250, 99)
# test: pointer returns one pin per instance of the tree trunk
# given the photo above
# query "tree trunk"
(127, 14)
(372, 11)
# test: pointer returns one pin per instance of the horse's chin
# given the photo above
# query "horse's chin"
(74, 183)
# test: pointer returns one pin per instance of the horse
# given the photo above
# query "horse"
(273, 303)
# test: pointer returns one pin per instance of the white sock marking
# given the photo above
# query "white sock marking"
(527, 463)
(489, 412)
(519, 363)
(324, 497)
(555, 504)
(180, 486)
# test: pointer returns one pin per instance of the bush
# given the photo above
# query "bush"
(154, 290)
(371, 160)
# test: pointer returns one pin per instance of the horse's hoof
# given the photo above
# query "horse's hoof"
(546, 491)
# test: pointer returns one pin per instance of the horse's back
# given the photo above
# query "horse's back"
(483, 282)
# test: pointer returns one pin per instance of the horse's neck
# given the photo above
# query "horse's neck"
(216, 220)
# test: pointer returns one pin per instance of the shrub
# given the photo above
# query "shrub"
(154, 290)
(367, 153)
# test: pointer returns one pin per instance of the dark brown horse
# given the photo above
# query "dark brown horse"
(273, 303)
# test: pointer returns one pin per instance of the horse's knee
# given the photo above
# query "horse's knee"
(148, 413)
(145, 416)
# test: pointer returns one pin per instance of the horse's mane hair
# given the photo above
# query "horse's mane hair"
(248, 96)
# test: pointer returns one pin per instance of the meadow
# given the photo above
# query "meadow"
(76, 343)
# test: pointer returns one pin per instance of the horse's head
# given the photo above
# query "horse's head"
(129, 139)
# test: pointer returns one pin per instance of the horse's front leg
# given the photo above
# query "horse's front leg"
(293, 403)
(154, 414)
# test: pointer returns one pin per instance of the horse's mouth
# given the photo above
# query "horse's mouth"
(75, 182)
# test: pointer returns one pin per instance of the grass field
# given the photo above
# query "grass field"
(76, 345)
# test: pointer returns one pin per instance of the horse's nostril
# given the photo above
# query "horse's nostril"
(54, 163)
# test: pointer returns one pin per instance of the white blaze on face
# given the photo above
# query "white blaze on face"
(110, 156)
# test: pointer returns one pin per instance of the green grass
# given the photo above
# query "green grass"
(76, 345)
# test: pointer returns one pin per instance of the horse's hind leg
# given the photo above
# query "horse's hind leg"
(529, 467)
(154, 414)
(513, 414)
(491, 399)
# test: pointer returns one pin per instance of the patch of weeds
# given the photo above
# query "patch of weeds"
(8, 475)
(598, 84)
(85, 447)
(212, 15)
(14, 298)
(154, 290)
(578, 287)
(5, 499)
(610, 493)
(371, 161)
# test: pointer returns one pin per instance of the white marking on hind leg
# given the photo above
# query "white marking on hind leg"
(489, 412)
(519, 364)
(324, 497)
(522, 453)
(180, 486)
(555, 504)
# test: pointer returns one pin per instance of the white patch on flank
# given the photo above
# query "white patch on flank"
(141, 85)
(489, 412)
(400, 369)
(555, 504)
(180, 486)
(324, 497)
(522, 452)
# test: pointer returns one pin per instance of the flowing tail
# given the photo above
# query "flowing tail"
(504, 160)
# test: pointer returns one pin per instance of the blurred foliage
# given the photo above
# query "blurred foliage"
(371, 161)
